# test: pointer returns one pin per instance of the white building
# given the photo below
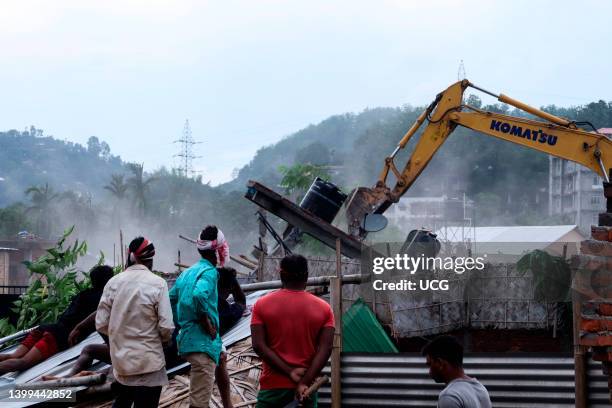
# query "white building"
(576, 191)
(518, 240)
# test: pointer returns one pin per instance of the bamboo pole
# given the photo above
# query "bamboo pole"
(336, 381)
(97, 389)
(16, 336)
(193, 241)
(314, 281)
(63, 382)
(121, 246)
(260, 267)
(319, 382)
(180, 265)
(244, 262)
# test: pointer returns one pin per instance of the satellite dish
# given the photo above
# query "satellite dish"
(374, 222)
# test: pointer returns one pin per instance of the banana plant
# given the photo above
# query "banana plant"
(54, 282)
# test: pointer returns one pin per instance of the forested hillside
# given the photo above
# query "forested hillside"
(30, 158)
(47, 185)
(509, 182)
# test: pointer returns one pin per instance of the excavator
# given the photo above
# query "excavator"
(553, 135)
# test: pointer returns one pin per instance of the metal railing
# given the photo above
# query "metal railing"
(13, 290)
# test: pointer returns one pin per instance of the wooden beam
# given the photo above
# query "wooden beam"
(304, 220)
(335, 286)
(244, 262)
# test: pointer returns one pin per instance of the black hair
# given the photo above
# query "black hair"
(209, 233)
(445, 348)
(133, 247)
(135, 244)
(294, 268)
(99, 275)
(227, 277)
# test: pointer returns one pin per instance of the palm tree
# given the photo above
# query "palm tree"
(118, 189)
(139, 185)
(42, 198)
(117, 186)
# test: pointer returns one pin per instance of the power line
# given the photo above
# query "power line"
(186, 153)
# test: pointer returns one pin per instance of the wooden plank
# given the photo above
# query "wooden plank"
(304, 220)
(335, 286)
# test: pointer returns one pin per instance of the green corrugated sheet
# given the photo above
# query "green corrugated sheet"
(362, 333)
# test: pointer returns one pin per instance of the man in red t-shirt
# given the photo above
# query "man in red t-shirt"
(292, 331)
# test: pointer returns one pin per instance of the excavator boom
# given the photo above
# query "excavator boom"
(556, 136)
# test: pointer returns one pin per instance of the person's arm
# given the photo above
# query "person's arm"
(164, 315)
(258, 339)
(87, 325)
(173, 295)
(223, 254)
(104, 311)
(238, 294)
(324, 349)
(204, 289)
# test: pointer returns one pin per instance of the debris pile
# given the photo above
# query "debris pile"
(243, 366)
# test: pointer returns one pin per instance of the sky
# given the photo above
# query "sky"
(248, 73)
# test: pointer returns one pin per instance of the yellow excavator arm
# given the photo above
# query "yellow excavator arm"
(556, 136)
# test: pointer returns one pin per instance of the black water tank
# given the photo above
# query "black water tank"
(323, 199)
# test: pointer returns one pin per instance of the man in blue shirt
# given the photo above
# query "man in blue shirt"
(194, 305)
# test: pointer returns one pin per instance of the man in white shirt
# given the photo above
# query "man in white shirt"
(135, 313)
(445, 361)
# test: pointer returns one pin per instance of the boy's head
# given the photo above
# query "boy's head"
(294, 271)
(208, 234)
(99, 275)
(141, 251)
(444, 357)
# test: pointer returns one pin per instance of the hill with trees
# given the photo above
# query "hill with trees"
(47, 185)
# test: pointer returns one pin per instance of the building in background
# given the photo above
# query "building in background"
(452, 217)
(13, 252)
(509, 243)
(576, 192)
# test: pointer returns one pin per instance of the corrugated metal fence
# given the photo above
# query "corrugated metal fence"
(513, 380)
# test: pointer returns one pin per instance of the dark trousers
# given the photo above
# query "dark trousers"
(142, 397)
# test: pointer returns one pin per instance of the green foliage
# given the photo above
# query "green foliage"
(297, 178)
(29, 158)
(310, 246)
(42, 199)
(551, 274)
(54, 284)
(139, 186)
(315, 153)
(117, 186)
(13, 219)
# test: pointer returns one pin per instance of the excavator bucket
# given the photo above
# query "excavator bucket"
(362, 201)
